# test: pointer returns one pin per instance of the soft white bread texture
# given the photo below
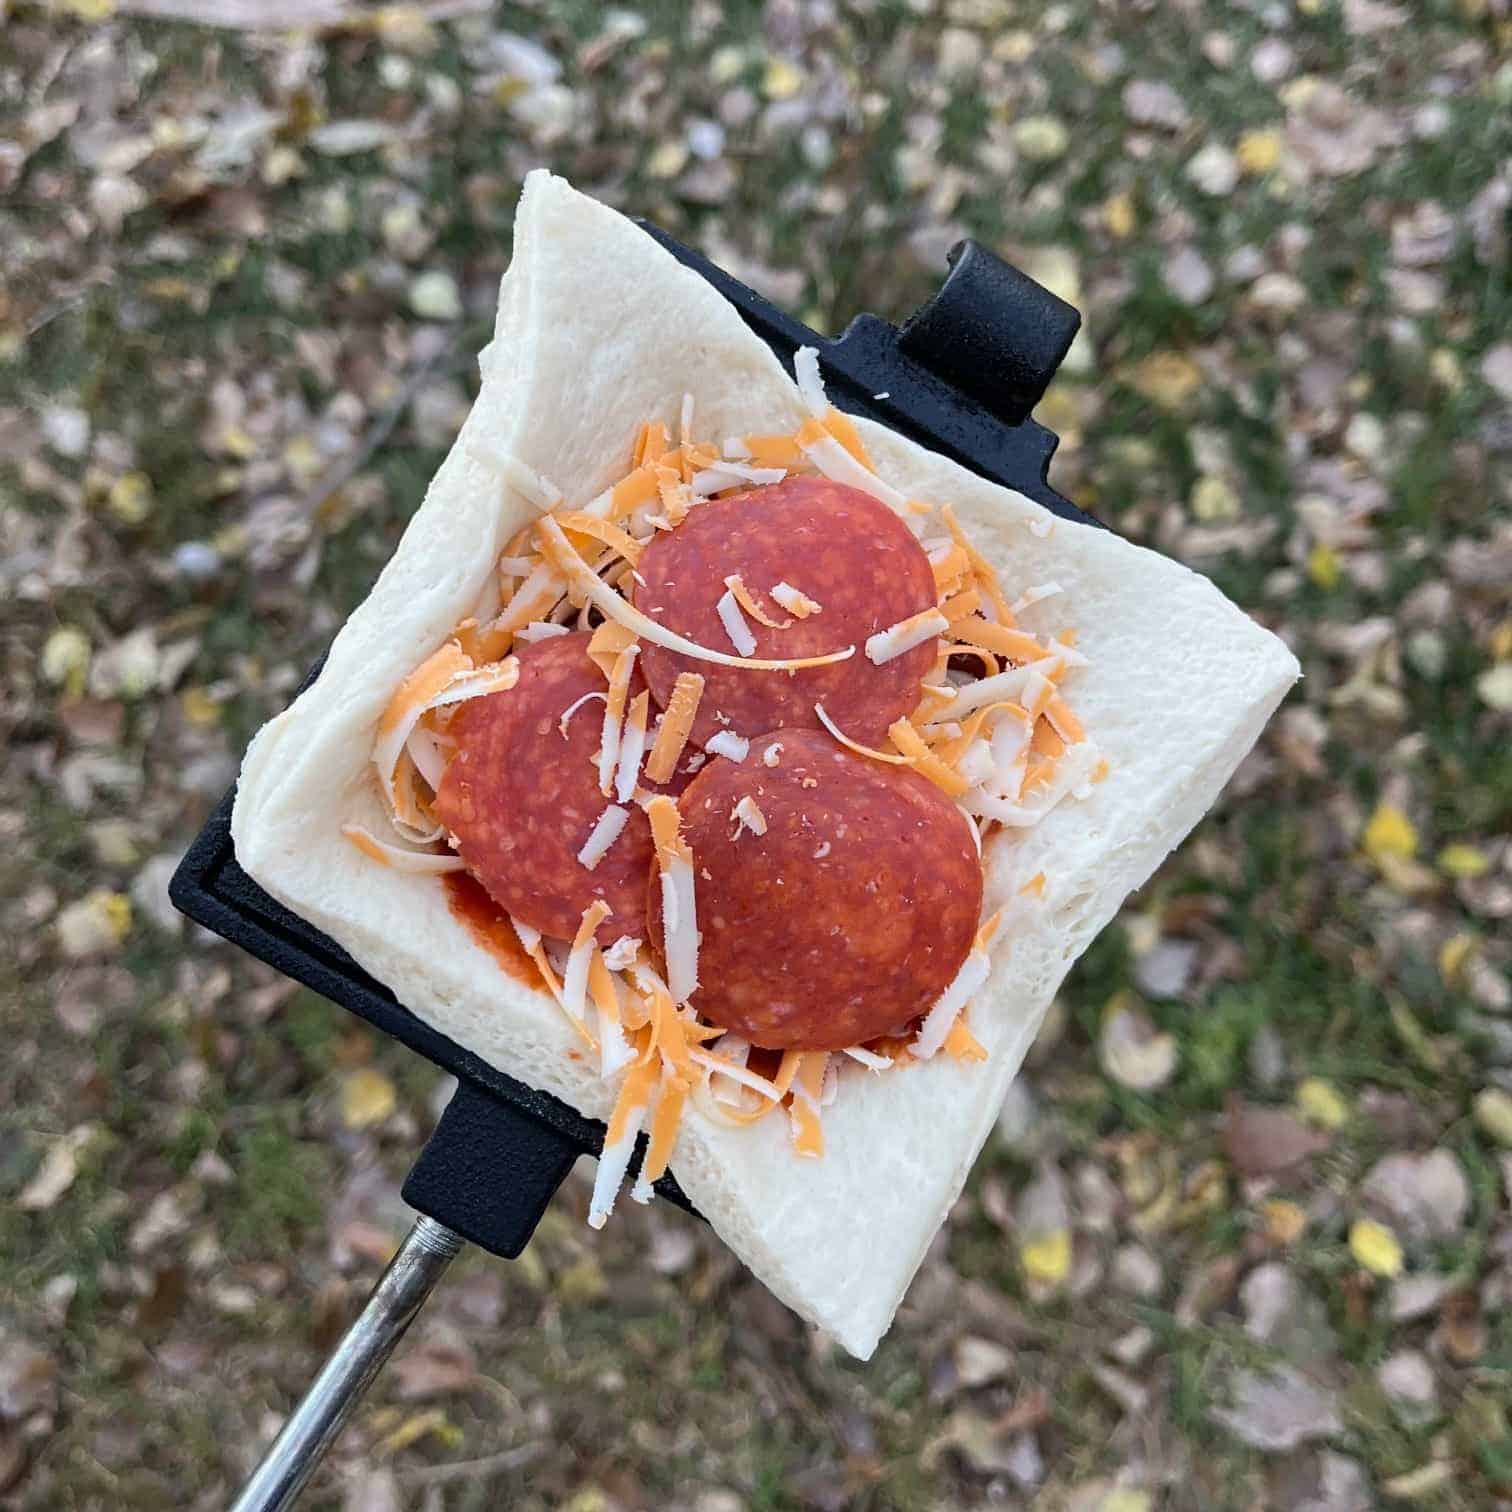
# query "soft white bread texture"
(599, 329)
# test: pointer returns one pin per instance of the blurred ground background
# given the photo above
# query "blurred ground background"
(1243, 1238)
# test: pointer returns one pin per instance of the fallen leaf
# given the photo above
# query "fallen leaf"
(367, 1098)
(59, 1168)
(1427, 1196)
(1320, 1104)
(1277, 1410)
(1375, 1247)
(28, 1381)
(1264, 1141)
(1131, 1050)
(1389, 833)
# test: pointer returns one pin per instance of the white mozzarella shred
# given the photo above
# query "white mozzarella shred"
(734, 449)
(905, 635)
(772, 755)
(525, 481)
(606, 830)
(868, 1058)
(1008, 742)
(396, 857)
(976, 830)
(529, 937)
(810, 384)
(1005, 686)
(579, 959)
(609, 741)
(613, 1162)
(516, 566)
(975, 764)
(680, 928)
(737, 1051)
(685, 421)
(835, 462)
(739, 1074)
(574, 706)
(829, 1088)
(712, 480)
(632, 752)
(539, 630)
(794, 601)
(728, 744)
(747, 815)
(735, 624)
(428, 754)
(622, 953)
(970, 980)
(533, 598)
(1072, 777)
(1034, 595)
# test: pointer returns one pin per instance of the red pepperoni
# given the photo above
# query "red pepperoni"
(521, 800)
(848, 917)
(841, 547)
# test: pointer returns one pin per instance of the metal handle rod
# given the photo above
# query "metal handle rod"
(401, 1291)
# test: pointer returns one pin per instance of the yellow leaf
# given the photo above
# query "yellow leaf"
(1375, 1247)
(1125, 1500)
(1500, 643)
(1258, 151)
(1453, 954)
(1323, 566)
(782, 79)
(1390, 833)
(367, 1098)
(199, 708)
(90, 10)
(1118, 214)
(1464, 861)
(65, 658)
(1284, 1221)
(1047, 1258)
(1167, 378)
(416, 1427)
(130, 498)
(1319, 1103)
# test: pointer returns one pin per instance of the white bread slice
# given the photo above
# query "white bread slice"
(599, 328)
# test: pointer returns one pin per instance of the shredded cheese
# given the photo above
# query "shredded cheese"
(970, 980)
(832, 459)
(614, 717)
(580, 522)
(734, 624)
(747, 601)
(855, 745)
(799, 605)
(905, 635)
(728, 744)
(424, 863)
(868, 1058)
(810, 384)
(843, 429)
(575, 978)
(679, 909)
(607, 828)
(539, 630)
(575, 705)
(727, 474)
(911, 744)
(619, 1142)
(632, 747)
(747, 815)
(676, 724)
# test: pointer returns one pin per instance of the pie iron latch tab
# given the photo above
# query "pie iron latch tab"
(992, 333)
(489, 1171)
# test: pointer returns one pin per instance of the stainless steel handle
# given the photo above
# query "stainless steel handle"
(402, 1289)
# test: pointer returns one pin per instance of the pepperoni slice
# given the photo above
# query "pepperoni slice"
(521, 799)
(842, 548)
(848, 917)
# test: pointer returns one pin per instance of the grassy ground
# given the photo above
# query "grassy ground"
(242, 277)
